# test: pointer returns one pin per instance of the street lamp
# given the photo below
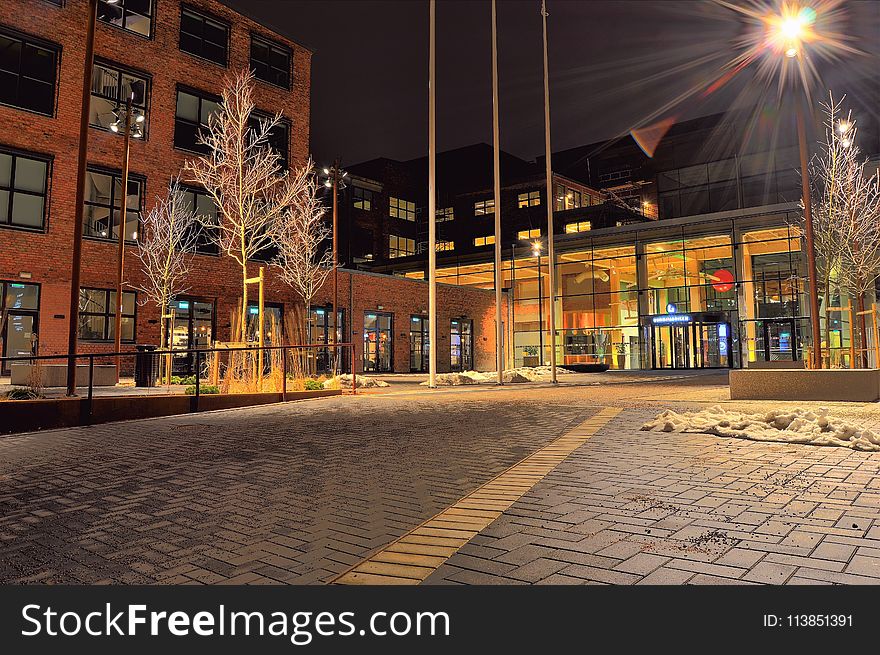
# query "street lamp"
(130, 122)
(789, 32)
(335, 180)
(76, 250)
(536, 253)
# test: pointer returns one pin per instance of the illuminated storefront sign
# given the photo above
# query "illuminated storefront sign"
(665, 319)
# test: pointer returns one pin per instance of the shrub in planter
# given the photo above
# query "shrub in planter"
(203, 389)
(20, 393)
(313, 385)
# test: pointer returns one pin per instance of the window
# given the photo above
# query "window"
(203, 205)
(97, 315)
(27, 74)
(278, 137)
(569, 198)
(361, 198)
(23, 190)
(443, 246)
(400, 246)
(579, 226)
(204, 36)
(485, 241)
(193, 111)
(528, 234)
(111, 87)
(103, 202)
(270, 61)
(445, 214)
(401, 209)
(484, 207)
(132, 15)
(529, 199)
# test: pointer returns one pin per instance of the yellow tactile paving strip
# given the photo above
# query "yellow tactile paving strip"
(416, 555)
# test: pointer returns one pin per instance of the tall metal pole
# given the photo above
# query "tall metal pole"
(76, 250)
(120, 257)
(499, 330)
(551, 255)
(808, 233)
(335, 182)
(432, 208)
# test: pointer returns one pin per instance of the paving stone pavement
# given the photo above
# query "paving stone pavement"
(291, 493)
(632, 507)
(299, 493)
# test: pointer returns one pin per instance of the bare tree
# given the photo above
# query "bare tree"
(166, 242)
(304, 259)
(245, 178)
(846, 213)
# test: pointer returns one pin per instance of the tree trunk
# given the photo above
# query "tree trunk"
(242, 328)
(863, 330)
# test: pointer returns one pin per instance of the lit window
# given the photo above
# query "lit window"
(400, 246)
(529, 199)
(442, 246)
(528, 234)
(569, 198)
(484, 207)
(27, 74)
(132, 15)
(111, 87)
(270, 61)
(103, 201)
(361, 198)
(404, 209)
(445, 214)
(485, 241)
(97, 315)
(579, 226)
(23, 190)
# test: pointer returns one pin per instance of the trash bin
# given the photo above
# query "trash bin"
(146, 366)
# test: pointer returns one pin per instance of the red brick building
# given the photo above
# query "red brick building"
(173, 57)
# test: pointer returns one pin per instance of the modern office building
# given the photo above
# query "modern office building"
(716, 280)
(174, 57)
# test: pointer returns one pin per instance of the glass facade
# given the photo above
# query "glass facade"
(698, 295)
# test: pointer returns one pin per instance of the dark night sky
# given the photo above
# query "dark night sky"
(611, 64)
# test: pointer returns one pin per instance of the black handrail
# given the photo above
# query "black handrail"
(198, 352)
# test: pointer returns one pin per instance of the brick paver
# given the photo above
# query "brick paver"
(299, 493)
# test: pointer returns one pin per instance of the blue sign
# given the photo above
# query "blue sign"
(671, 308)
(183, 304)
(254, 310)
(722, 330)
(665, 319)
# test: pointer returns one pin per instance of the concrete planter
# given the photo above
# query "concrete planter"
(856, 385)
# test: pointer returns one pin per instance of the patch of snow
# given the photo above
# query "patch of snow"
(513, 375)
(361, 382)
(800, 426)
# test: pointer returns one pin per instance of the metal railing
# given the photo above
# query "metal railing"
(199, 356)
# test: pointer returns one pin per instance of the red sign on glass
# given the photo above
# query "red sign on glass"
(722, 280)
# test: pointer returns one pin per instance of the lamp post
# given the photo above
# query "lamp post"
(551, 255)
(790, 31)
(76, 248)
(130, 122)
(335, 182)
(536, 252)
(496, 162)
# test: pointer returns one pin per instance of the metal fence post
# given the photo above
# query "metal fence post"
(283, 374)
(198, 359)
(91, 384)
(353, 375)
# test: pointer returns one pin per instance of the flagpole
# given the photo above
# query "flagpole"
(499, 329)
(432, 208)
(551, 257)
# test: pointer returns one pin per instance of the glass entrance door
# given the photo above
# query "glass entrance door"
(193, 328)
(462, 344)
(19, 309)
(378, 342)
(418, 344)
(322, 332)
(780, 341)
(691, 345)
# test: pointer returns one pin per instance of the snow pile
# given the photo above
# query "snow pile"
(788, 426)
(521, 374)
(456, 379)
(362, 382)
